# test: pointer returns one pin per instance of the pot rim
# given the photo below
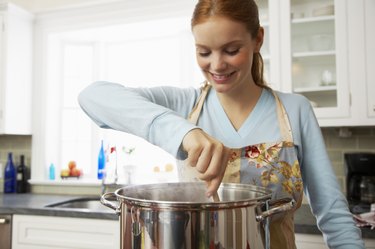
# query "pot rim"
(263, 194)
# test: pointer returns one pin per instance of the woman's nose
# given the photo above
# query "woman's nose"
(218, 63)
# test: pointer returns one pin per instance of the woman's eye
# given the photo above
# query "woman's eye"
(204, 54)
(232, 52)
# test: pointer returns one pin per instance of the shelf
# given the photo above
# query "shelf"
(315, 89)
(312, 19)
(314, 54)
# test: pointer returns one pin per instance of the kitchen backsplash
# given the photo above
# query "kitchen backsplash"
(18, 145)
(338, 142)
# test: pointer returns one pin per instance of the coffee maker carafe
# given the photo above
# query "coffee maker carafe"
(367, 187)
(360, 178)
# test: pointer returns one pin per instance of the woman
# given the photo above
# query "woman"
(235, 129)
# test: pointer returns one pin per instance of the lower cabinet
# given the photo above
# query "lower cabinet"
(370, 243)
(309, 241)
(37, 232)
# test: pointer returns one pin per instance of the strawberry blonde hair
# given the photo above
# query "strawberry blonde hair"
(244, 11)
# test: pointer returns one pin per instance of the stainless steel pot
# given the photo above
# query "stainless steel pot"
(180, 216)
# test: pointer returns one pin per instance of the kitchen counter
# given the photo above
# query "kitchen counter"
(35, 204)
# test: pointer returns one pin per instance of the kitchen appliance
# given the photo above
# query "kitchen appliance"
(181, 216)
(360, 181)
(5, 231)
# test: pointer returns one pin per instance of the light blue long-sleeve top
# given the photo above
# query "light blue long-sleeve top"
(159, 115)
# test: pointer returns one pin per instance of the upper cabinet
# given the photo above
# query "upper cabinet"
(15, 69)
(315, 47)
(318, 62)
(369, 7)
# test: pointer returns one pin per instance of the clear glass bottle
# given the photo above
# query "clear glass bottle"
(10, 175)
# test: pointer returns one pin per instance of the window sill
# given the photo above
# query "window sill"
(67, 182)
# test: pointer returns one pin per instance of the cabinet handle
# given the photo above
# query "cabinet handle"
(4, 221)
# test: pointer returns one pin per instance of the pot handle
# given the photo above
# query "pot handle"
(276, 206)
(109, 204)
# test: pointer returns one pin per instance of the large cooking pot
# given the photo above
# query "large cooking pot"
(180, 216)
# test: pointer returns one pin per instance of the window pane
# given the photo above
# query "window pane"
(139, 54)
(75, 125)
(77, 71)
(79, 151)
(145, 62)
(76, 132)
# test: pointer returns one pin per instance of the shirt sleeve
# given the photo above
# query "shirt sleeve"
(327, 202)
(157, 114)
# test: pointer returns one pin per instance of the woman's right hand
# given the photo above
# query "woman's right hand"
(208, 155)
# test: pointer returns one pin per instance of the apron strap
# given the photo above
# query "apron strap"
(282, 116)
(194, 114)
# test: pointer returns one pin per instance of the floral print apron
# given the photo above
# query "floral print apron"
(271, 165)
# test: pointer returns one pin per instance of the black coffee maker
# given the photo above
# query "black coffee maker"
(360, 181)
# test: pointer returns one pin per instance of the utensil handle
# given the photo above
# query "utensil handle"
(110, 204)
(276, 206)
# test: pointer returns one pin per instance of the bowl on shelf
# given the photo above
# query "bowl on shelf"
(327, 10)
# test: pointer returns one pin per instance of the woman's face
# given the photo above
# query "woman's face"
(225, 51)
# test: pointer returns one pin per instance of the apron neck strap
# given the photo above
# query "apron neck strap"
(194, 114)
(282, 116)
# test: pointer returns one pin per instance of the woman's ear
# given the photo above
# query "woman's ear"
(259, 39)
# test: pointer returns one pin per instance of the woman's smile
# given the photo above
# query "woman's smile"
(222, 78)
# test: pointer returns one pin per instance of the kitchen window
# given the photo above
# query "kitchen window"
(117, 53)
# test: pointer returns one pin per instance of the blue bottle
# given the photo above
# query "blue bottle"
(51, 174)
(10, 176)
(101, 162)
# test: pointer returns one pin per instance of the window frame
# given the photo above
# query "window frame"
(48, 26)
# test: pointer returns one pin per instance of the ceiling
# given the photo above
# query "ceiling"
(39, 6)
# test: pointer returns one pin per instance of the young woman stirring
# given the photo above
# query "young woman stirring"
(235, 128)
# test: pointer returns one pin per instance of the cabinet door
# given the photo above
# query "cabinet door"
(16, 70)
(268, 15)
(309, 241)
(370, 56)
(315, 54)
(2, 94)
(369, 243)
(32, 232)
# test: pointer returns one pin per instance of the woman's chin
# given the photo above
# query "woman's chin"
(221, 88)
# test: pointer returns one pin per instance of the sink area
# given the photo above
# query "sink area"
(83, 204)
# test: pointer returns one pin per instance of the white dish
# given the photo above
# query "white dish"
(324, 11)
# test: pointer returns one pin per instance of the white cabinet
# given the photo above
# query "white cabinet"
(361, 40)
(369, 243)
(324, 50)
(16, 34)
(310, 241)
(369, 7)
(35, 232)
(318, 63)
